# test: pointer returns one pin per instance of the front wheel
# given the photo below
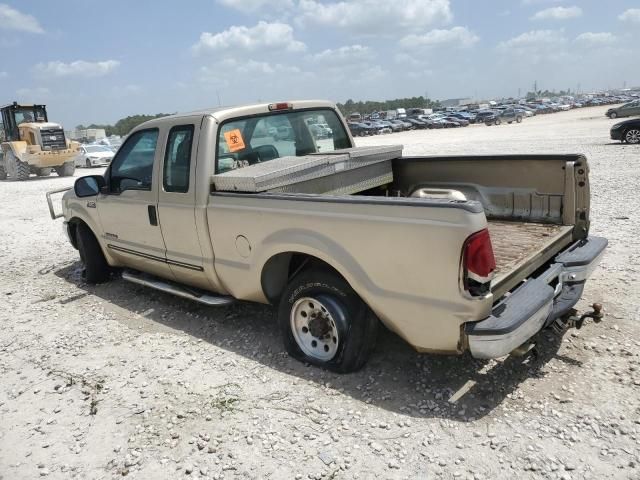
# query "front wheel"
(632, 136)
(88, 163)
(66, 169)
(518, 119)
(43, 172)
(16, 169)
(96, 268)
(325, 323)
(497, 122)
(613, 115)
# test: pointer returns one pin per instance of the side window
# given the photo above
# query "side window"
(177, 159)
(132, 168)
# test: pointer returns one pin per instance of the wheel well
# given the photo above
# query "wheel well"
(282, 267)
(73, 230)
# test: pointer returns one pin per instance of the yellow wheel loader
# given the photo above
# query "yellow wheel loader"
(32, 144)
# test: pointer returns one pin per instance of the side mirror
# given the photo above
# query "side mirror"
(88, 186)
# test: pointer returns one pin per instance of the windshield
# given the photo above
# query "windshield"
(266, 137)
(97, 148)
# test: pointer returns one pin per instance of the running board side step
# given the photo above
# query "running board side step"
(194, 294)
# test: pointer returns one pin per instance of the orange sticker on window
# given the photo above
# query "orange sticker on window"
(234, 140)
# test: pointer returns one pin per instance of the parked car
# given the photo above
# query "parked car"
(359, 129)
(509, 116)
(481, 115)
(416, 123)
(627, 110)
(460, 121)
(627, 131)
(214, 228)
(94, 156)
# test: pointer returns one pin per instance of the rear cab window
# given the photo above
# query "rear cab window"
(261, 138)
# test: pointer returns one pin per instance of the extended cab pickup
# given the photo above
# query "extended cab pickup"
(455, 254)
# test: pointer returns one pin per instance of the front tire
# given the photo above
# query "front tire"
(497, 122)
(632, 136)
(16, 169)
(43, 172)
(96, 268)
(325, 323)
(88, 163)
(66, 169)
(613, 115)
(518, 119)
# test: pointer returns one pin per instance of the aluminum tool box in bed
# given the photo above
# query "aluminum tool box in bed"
(340, 172)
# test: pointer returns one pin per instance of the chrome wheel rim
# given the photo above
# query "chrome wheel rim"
(633, 136)
(314, 329)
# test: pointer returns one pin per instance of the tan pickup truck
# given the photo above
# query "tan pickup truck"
(455, 254)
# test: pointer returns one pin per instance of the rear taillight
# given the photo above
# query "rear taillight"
(478, 261)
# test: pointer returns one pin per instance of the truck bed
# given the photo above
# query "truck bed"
(521, 248)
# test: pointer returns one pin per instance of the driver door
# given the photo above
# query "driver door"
(128, 211)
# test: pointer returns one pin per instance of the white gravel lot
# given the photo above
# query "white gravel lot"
(118, 380)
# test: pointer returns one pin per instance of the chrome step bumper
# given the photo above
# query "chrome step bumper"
(535, 304)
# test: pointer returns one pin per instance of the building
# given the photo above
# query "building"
(89, 135)
(456, 102)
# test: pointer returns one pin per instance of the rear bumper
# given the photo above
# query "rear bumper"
(537, 302)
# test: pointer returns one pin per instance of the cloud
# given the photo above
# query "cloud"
(255, 5)
(455, 37)
(372, 16)
(591, 39)
(79, 68)
(260, 37)
(3, 75)
(533, 40)
(632, 15)
(346, 55)
(12, 19)
(558, 13)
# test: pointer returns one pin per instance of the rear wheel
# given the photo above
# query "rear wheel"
(325, 323)
(3, 173)
(15, 169)
(632, 136)
(43, 172)
(66, 170)
(96, 268)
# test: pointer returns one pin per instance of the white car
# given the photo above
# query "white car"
(94, 156)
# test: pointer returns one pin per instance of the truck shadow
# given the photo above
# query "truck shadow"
(396, 378)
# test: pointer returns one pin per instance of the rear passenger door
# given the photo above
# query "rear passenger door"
(176, 205)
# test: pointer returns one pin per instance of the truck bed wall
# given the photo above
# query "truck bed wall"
(402, 256)
(535, 188)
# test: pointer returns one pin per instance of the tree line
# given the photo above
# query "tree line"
(123, 126)
(369, 106)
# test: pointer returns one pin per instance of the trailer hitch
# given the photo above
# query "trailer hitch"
(571, 320)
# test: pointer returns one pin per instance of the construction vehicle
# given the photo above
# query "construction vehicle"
(32, 144)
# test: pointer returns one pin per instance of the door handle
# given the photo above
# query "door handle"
(153, 216)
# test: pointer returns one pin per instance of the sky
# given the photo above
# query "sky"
(96, 62)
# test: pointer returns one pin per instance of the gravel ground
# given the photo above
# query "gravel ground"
(118, 380)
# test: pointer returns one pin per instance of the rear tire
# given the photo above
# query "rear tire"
(16, 169)
(3, 173)
(66, 170)
(325, 323)
(96, 268)
(632, 136)
(43, 172)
